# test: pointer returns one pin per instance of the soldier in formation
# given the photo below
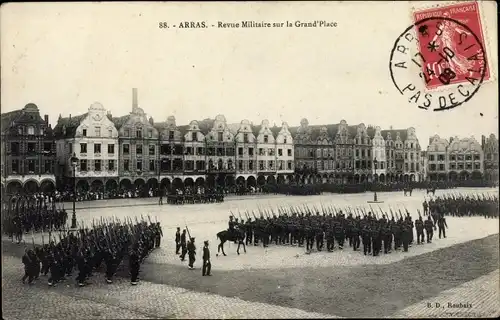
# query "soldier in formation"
(296, 226)
(24, 214)
(463, 205)
(84, 251)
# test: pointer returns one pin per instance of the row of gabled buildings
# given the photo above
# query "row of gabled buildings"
(105, 152)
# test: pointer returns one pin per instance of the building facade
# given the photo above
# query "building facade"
(437, 163)
(379, 156)
(465, 159)
(138, 148)
(284, 154)
(490, 149)
(28, 151)
(93, 139)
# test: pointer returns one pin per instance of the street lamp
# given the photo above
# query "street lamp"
(74, 163)
(375, 166)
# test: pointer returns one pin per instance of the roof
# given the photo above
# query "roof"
(402, 134)
(70, 123)
(8, 118)
(120, 121)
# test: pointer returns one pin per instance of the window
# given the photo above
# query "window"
(261, 165)
(31, 147)
(240, 164)
(261, 152)
(250, 165)
(139, 165)
(266, 138)
(126, 149)
(15, 166)
(47, 168)
(171, 135)
(476, 157)
(271, 152)
(151, 149)
(250, 152)
(150, 133)
(284, 140)
(240, 152)
(70, 147)
(151, 165)
(194, 136)
(97, 131)
(468, 166)
(220, 136)
(289, 165)
(83, 148)
(20, 130)
(83, 165)
(126, 165)
(110, 133)
(126, 133)
(357, 153)
(111, 165)
(431, 157)
(369, 152)
(97, 165)
(245, 137)
(31, 130)
(138, 149)
(47, 146)
(289, 152)
(111, 148)
(271, 165)
(138, 133)
(14, 148)
(97, 148)
(280, 152)
(441, 167)
(200, 151)
(84, 132)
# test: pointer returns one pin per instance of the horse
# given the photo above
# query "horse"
(431, 190)
(226, 235)
(407, 190)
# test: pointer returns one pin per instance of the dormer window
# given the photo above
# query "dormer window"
(284, 140)
(31, 130)
(84, 132)
(171, 134)
(266, 138)
(245, 137)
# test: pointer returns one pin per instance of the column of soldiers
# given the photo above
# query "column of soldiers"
(460, 205)
(21, 214)
(184, 246)
(305, 226)
(85, 250)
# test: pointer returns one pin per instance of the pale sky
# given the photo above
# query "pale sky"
(63, 57)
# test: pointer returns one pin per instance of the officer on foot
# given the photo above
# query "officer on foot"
(419, 226)
(442, 224)
(429, 225)
(191, 248)
(207, 266)
(177, 240)
(183, 245)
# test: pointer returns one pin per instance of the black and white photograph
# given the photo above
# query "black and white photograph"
(236, 160)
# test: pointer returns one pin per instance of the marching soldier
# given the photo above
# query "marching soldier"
(405, 236)
(134, 265)
(207, 266)
(366, 237)
(191, 248)
(158, 235)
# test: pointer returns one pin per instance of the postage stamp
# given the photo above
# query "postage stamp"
(440, 61)
(453, 53)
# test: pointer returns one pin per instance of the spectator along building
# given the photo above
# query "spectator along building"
(28, 151)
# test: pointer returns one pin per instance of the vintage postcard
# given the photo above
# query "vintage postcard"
(249, 160)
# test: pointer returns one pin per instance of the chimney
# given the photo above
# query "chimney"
(46, 118)
(134, 99)
(109, 115)
(151, 121)
(483, 140)
(70, 116)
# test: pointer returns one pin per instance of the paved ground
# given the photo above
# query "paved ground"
(279, 281)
